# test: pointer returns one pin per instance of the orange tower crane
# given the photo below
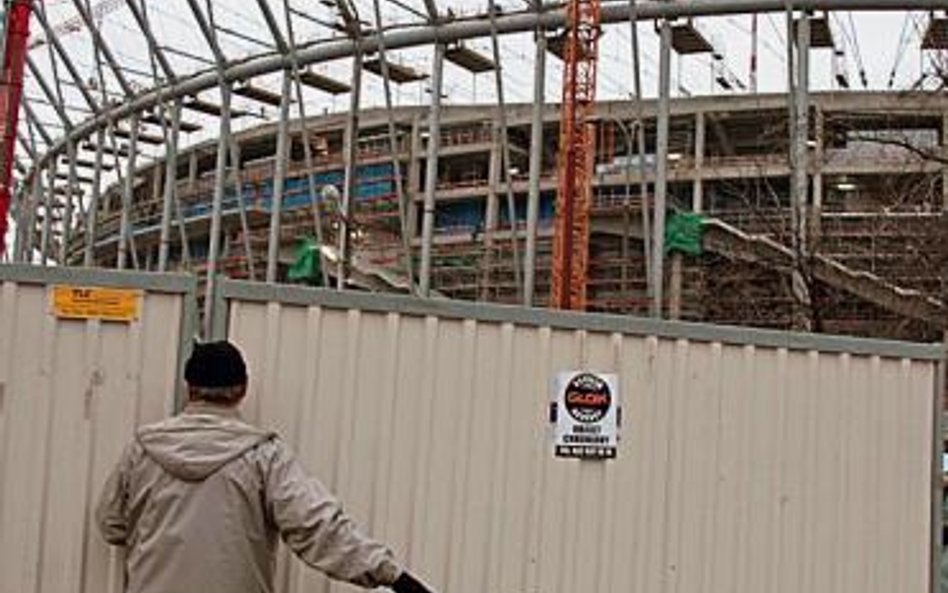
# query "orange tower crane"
(575, 160)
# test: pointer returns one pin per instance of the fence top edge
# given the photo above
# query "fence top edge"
(148, 281)
(238, 290)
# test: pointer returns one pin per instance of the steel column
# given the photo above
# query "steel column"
(307, 150)
(800, 187)
(68, 206)
(395, 150)
(431, 169)
(640, 148)
(49, 198)
(214, 236)
(801, 137)
(279, 178)
(536, 167)
(36, 191)
(505, 147)
(127, 197)
(351, 155)
(92, 217)
(171, 176)
(661, 168)
(242, 207)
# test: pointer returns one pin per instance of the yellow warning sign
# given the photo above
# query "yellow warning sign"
(93, 302)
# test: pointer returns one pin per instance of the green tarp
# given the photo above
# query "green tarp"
(305, 268)
(683, 233)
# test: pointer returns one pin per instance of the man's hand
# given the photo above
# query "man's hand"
(405, 583)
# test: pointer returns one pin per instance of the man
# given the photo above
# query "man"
(200, 500)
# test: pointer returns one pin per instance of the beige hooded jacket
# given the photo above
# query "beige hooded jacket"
(200, 500)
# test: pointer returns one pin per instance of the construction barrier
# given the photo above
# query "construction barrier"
(747, 460)
(85, 357)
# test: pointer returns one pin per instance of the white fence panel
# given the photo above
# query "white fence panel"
(750, 461)
(71, 393)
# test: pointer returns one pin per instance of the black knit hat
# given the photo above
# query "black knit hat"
(215, 364)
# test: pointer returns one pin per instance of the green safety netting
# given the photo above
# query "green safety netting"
(306, 264)
(683, 233)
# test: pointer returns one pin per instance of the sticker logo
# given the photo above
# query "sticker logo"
(588, 398)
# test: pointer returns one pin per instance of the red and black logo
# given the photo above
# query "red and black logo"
(588, 398)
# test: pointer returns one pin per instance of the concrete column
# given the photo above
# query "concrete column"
(156, 178)
(944, 168)
(674, 286)
(816, 170)
(492, 210)
(676, 278)
(192, 169)
(414, 177)
(491, 213)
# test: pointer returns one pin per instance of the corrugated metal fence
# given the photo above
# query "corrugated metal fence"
(750, 461)
(71, 393)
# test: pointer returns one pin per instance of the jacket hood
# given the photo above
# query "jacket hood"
(200, 441)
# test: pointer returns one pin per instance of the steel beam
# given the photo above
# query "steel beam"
(275, 32)
(51, 97)
(456, 30)
(141, 18)
(211, 38)
(103, 47)
(53, 40)
(431, 170)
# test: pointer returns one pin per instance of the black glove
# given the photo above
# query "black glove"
(405, 583)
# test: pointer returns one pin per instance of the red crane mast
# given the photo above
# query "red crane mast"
(575, 160)
(17, 28)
